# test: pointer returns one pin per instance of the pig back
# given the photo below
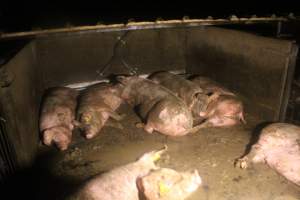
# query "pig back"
(183, 88)
(101, 96)
(210, 86)
(58, 107)
(119, 183)
(281, 134)
(138, 90)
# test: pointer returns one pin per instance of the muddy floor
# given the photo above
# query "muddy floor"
(211, 151)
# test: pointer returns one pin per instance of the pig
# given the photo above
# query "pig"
(224, 108)
(278, 146)
(120, 182)
(57, 116)
(158, 107)
(188, 91)
(210, 86)
(96, 105)
(224, 111)
(168, 184)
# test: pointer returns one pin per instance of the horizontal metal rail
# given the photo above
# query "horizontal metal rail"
(141, 25)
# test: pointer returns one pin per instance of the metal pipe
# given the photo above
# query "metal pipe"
(141, 25)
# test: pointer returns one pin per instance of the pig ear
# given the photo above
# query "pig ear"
(197, 176)
(122, 79)
(76, 123)
(154, 156)
(47, 137)
(242, 118)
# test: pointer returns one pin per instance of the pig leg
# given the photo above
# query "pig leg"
(242, 118)
(140, 125)
(213, 97)
(210, 109)
(116, 116)
(143, 111)
(147, 127)
(199, 127)
(114, 124)
(255, 155)
(76, 123)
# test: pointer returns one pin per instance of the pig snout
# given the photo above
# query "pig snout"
(92, 122)
(90, 131)
(60, 136)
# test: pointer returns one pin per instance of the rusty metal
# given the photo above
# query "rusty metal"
(185, 22)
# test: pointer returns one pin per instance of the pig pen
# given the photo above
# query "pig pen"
(259, 69)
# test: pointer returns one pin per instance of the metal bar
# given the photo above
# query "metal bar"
(142, 25)
(279, 27)
(7, 156)
(289, 74)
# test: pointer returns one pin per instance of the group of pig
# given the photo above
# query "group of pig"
(278, 146)
(138, 180)
(171, 105)
(166, 103)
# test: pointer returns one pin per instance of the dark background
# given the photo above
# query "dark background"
(25, 15)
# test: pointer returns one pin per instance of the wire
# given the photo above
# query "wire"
(119, 42)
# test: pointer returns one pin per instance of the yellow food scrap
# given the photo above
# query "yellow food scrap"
(156, 157)
(87, 118)
(163, 188)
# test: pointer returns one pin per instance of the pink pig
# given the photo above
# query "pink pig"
(57, 116)
(279, 147)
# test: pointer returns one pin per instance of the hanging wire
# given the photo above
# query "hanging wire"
(120, 43)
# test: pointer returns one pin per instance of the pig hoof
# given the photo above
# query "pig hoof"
(89, 136)
(140, 125)
(241, 163)
(148, 129)
(62, 148)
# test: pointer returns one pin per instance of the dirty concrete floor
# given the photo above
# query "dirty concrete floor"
(211, 151)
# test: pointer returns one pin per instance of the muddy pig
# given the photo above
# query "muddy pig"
(57, 116)
(224, 107)
(168, 184)
(96, 104)
(210, 86)
(279, 147)
(185, 89)
(159, 108)
(121, 182)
